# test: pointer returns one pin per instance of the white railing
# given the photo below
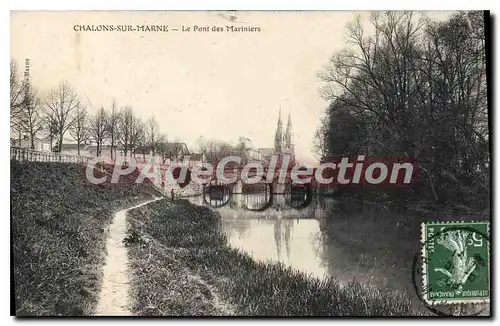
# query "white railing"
(26, 154)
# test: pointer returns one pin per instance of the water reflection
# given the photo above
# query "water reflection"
(293, 242)
(279, 233)
(216, 195)
(299, 238)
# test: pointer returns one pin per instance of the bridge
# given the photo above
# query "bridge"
(270, 180)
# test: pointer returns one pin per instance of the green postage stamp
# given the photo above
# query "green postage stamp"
(456, 262)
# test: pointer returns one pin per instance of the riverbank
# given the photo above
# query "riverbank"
(59, 228)
(182, 265)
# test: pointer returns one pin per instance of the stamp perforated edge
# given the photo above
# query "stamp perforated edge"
(425, 281)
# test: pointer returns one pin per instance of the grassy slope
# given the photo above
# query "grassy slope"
(172, 244)
(58, 234)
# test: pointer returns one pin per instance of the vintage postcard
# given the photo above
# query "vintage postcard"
(250, 163)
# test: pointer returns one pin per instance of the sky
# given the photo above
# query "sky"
(219, 85)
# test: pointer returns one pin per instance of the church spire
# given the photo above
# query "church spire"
(278, 137)
(289, 132)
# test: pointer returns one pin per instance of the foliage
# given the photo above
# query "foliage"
(414, 88)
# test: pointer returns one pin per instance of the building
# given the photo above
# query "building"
(195, 159)
(172, 151)
(168, 151)
(41, 144)
(283, 141)
(105, 150)
(72, 149)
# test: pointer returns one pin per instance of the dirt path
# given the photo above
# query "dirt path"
(113, 299)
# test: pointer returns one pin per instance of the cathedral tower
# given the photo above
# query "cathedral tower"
(283, 139)
(289, 135)
(278, 137)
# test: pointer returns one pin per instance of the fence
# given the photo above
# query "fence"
(25, 154)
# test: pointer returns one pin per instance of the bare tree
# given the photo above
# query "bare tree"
(99, 129)
(61, 103)
(244, 143)
(215, 150)
(129, 129)
(30, 119)
(152, 134)
(49, 125)
(162, 148)
(113, 121)
(140, 140)
(319, 140)
(80, 130)
(414, 74)
(17, 90)
(124, 126)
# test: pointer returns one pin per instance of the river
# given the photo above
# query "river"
(280, 228)
(273, 229)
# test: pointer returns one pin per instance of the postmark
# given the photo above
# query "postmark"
(455, 263)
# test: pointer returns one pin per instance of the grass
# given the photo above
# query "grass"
(173, 243)
(59, 223)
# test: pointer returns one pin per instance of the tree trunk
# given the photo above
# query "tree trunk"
(60, 142)
(112, 145)
(32, 137)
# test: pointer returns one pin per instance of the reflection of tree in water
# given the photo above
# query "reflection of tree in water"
(232, 203)
(242, 228)
(324, 246)
(239, 226)
(236, 201)
(283, 233)
(320, 248)
(277, 237)
(288, 234)
(280, 202)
